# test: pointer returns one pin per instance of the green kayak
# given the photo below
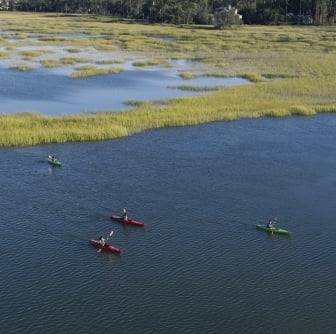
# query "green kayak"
(54, 161)
(273, 230)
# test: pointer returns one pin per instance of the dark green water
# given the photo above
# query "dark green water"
(200, 265)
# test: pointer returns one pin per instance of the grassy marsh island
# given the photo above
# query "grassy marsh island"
(292, 70)
(90, 71)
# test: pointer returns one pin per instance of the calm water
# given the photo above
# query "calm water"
(54, 93)
(199, 266)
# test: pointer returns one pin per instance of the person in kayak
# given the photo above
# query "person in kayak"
(101, 243)
(124, 214)
(270, 224)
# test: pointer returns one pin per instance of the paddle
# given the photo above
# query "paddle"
(110, 235)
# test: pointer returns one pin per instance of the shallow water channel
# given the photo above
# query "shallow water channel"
(54, 93)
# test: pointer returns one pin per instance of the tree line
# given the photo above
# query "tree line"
(187, 11)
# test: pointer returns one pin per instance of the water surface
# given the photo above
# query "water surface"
(200, 265)
(54, 93)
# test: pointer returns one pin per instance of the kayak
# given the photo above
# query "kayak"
(273, 230)
(106, 247)
(127, 221)
(54, 162)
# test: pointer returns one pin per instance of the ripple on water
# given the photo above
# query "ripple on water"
(199, 265)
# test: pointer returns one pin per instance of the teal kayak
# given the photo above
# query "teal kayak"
(54, 161)
(273, 230)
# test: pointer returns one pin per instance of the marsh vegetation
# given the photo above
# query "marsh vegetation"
(293, 70)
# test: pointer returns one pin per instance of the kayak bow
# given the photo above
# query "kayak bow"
(273, 230)
(106, 247)
(127, 221)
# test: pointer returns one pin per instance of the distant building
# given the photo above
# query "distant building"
(4, 4)
(226, 16)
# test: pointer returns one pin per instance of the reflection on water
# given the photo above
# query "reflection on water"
(52, 93)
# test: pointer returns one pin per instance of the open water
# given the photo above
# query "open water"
(199, 265)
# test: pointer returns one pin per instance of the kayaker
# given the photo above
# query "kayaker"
(270, 224)
(124, 214)
(101, 243)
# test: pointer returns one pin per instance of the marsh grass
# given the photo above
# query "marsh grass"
(73, 60)
(135, 103)
(50, 63)
(22, 67)
(74, 50)
(19, 35)
(3, 54)
(253, 77)
(273, 99)
(105, 47)
(32, 53)
(195, 88)
(91, 71)
(186, 75)
(293, 70)
(109, 61)
(148, 62)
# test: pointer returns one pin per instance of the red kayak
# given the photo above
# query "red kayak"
(106, 247)
(127, 221)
